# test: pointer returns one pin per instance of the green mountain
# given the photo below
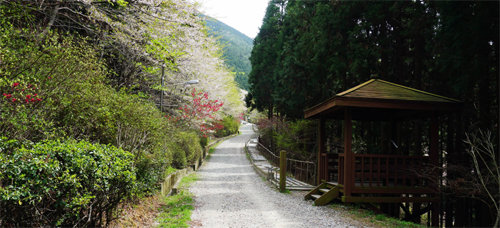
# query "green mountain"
(237, 48)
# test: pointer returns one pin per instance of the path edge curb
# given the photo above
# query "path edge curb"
(259, 171)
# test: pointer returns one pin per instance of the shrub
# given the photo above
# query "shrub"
(203, 142)
(296, 137)
(179, 156)
(62, 183)
(186, 149)
(190, 143)
(40, 79)
(231, 126)
(268, 128)
(66, 80)
(150, 171)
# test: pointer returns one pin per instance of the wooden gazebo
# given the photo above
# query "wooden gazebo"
(378, 178)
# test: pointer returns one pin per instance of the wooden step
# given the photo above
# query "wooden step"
(315, 191)
(324, 190)
(327, 197)
(315, 196)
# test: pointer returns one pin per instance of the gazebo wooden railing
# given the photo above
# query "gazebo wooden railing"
(332, 170)
(384, 170)
(380, 173)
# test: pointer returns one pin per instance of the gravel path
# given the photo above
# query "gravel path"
(231, 194)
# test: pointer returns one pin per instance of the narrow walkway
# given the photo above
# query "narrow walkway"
(270, 171)
(231, 194)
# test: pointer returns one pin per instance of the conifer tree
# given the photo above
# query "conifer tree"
(262, 77)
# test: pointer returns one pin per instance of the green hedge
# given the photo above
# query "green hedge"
(62, 183)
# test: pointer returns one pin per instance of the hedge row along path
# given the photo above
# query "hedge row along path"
(229, 193)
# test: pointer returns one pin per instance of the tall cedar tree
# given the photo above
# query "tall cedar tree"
(262, 78)
(323, 47)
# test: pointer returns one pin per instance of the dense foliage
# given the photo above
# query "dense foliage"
(80, 89)
(61, 72)
(62, 183)
(237, 48)
(307, 51)
(264, 56)
(230, 125)
(297, 138)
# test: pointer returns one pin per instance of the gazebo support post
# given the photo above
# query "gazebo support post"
(348, 159)
(321, 150)
(434, 159)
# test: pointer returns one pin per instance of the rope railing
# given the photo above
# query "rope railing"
(304, 171)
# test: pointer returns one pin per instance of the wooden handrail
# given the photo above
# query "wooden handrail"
(302, 170)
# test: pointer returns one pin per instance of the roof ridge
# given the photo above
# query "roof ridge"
(418, 91)
(355, 88)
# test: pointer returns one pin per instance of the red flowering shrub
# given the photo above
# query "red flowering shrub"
(22, 94)
(201, 113)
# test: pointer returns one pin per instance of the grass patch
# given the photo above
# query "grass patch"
(187, 181)
(368, 216)
(177, 209)
(286, 191)
(170, 170)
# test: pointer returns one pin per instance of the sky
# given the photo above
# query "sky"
(243, 15)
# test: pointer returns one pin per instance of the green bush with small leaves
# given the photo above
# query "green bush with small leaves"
(186, 149)
(62, 183)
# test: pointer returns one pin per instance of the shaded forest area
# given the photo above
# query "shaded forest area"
(307, 51)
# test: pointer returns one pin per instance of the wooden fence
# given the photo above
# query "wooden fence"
(304, 171)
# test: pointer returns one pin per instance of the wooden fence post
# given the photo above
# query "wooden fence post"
(282, 171)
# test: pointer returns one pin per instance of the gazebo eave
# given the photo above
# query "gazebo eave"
(379, 108)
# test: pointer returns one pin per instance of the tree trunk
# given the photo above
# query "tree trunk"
(52, 20)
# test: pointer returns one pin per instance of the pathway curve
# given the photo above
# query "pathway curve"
(231, 194)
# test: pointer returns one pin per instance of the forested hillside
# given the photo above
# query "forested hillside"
(99, 99)
(308, 51)
(236, 47)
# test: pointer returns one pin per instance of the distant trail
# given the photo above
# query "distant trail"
(230, 194)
